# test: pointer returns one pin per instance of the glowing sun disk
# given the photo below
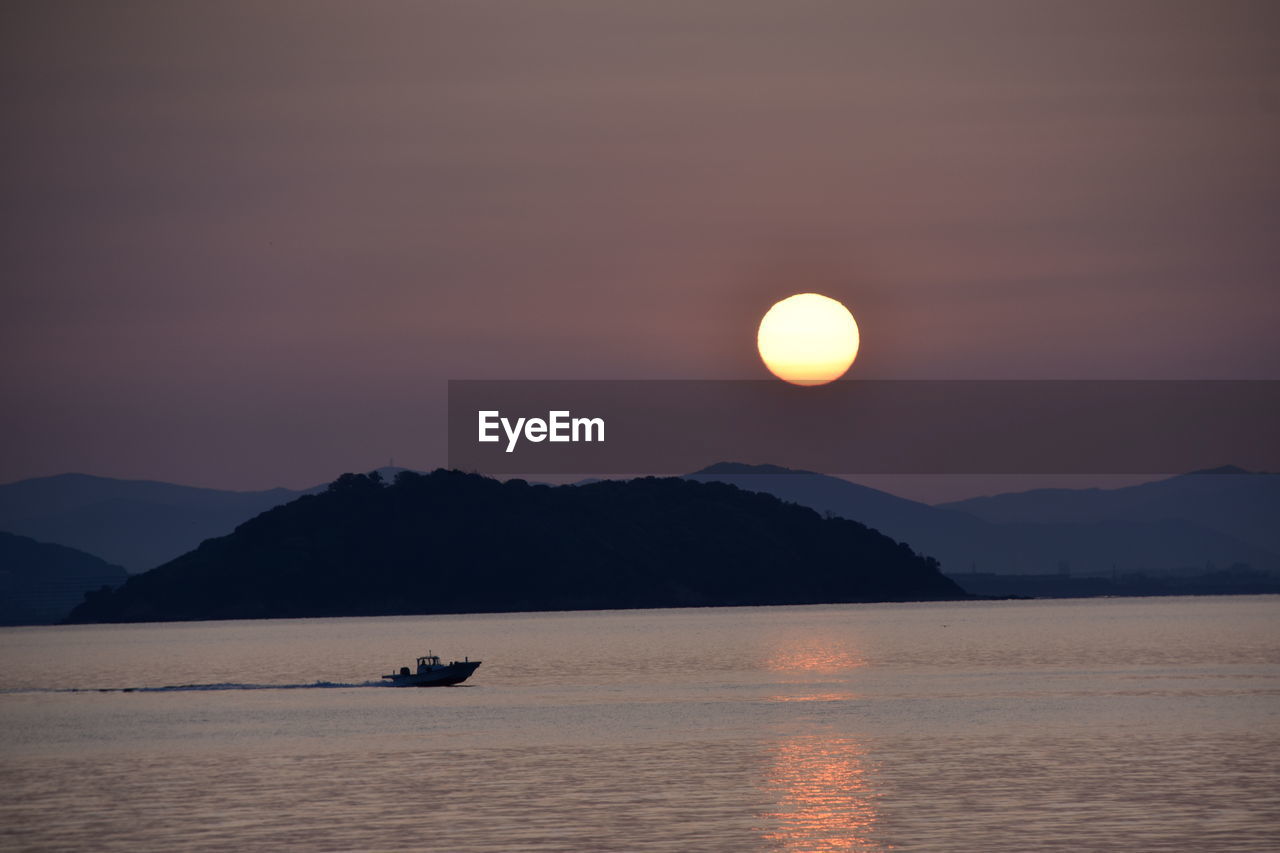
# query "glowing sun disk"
(808, 339)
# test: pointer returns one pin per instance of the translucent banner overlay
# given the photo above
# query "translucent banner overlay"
(864, 426)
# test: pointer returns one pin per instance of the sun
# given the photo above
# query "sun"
(808, 339)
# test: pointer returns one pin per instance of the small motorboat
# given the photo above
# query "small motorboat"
(431, 673)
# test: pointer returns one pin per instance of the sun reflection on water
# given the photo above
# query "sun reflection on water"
(816, 697)
(825, 797)
(815, 657)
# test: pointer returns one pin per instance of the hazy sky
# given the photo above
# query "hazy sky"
(246, 244)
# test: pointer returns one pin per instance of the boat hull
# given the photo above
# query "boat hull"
(454, 673)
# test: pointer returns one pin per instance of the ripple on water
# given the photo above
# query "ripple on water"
(1097, 791)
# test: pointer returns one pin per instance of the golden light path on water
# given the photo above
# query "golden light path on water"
(815, 656)
(825, 799)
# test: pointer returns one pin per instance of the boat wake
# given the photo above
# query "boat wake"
(184, 688)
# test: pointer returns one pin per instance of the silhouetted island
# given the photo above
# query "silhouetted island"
(449, 542)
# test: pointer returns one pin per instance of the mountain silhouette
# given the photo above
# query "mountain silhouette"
(1187, 521)
(1229, 500)
(138, 524)
(450, 542)
(40, 582)
(1012, 543)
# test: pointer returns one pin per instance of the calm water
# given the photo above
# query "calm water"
(1134, 724)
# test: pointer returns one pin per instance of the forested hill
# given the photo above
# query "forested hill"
(449, 542)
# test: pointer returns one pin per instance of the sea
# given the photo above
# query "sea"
(1099, 724)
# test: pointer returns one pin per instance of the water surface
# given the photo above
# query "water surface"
(1091, 724)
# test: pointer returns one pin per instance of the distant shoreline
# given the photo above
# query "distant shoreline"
(1227, 582)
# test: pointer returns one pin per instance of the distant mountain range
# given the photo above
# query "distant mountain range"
(41, 582)
(450, 542)
(1195, 521)
(1229, 500)
(1185, 522)
(138, 524)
